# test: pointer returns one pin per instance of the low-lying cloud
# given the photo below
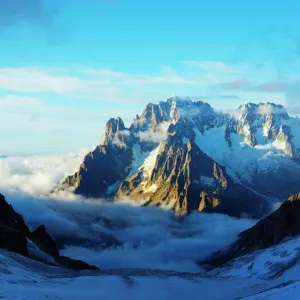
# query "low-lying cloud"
(107, 234)
(157, 135)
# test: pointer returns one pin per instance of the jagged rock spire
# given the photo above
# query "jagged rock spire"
(111, 128)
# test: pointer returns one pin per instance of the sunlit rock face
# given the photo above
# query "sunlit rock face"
(185, 179)
(174, 154)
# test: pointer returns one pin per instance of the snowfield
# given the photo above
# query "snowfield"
(268, 274)
(242, 161)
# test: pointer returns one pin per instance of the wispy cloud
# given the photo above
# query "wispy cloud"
(91, 83)
(240, 84)
(32, 124)
(36, 80)
(209, 65)
(275, 86)
(167, 76)
(229, 96)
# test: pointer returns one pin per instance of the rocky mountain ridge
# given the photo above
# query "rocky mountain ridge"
(16, 237)
(282, 224)
(161, 158)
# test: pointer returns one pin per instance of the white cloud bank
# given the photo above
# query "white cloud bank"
(110, 235)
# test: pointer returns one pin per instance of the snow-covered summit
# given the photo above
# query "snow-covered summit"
(258, 145)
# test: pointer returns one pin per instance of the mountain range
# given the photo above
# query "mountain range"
(186, 156)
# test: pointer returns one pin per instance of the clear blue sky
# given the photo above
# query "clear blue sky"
(68, 66)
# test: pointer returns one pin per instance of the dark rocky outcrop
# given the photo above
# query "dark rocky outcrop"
(74, 264)
(44, 241)
(13, 240)
(282, 224)
(100, 169)
(11, 219)
(13, 230)
(14, 237)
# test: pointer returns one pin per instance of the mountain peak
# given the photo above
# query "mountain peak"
(176, 98)
(111, 128)
(166, 140)
(267, 108)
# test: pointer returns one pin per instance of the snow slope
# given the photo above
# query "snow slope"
(269, 274)
(243, 162)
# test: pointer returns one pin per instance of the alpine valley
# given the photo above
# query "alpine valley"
(184, 200)
(185, 156)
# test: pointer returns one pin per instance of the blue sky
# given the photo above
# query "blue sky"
(66, 67)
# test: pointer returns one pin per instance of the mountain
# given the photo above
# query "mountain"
(184, 155)
(16, 237)
(282, 224)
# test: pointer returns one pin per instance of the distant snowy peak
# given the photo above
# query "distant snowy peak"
(114, 131)
(266, 108)
(258, 146)
(173, 109)
(262, 124)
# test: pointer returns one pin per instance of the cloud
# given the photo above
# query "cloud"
(229, 96)
(35, 80)
(270, 109)
(160, 133)
(209, 65)
(37, 175)
(93, 84)
(239, 84)
(167, 76)
(199, 98)
(33, 124)
(274, 86)
(107, 234)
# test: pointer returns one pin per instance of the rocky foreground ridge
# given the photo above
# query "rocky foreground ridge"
(282, 224)
(16, 237)
(184, 155)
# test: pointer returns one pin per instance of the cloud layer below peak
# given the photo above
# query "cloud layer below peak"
(106, 234)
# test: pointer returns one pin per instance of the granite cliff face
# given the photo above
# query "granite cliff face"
(184, 155)
(100, 169)
(185, 179)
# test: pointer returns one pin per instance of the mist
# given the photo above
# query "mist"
(106, 234)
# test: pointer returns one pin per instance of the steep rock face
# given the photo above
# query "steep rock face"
(13, 230)
(199, 113)
(16, 237)
(9, 218)
(100, 169)
(185, 179)
(283, 223)
(45, 242)
(13, 240)
(113, 126)
(152, 116)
